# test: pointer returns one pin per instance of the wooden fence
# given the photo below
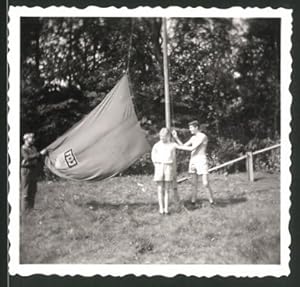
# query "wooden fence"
(249, 163)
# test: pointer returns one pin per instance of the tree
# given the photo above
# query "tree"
(260, 77)
(223, 71)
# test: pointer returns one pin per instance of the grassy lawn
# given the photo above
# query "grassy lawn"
(117, 221)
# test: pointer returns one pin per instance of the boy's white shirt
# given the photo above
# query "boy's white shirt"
(163, 152)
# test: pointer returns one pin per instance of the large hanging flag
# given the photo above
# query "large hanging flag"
(105, 142)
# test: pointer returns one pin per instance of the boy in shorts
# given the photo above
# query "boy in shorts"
(163, 157)
(198, 162)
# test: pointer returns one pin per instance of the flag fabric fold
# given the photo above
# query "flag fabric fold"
(104, 143)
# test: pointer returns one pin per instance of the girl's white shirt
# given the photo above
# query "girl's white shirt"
(163, 152)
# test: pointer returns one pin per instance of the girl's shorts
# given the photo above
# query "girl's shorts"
(163, 172)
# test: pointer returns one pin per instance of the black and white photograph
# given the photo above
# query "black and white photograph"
(149, 141)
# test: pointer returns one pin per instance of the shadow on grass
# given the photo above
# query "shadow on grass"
(223, 202)
(219, 202)
(259, 178)
(95, 205)
(152, 206)
(271, 175)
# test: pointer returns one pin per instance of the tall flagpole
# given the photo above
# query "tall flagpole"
(167, 100)
(166, 74)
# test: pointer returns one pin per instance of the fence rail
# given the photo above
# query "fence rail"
(266, 149)
(227, 163)
(249, 163)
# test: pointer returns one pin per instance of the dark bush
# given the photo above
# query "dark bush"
(225, 150)
(266, 161)
(141, 166)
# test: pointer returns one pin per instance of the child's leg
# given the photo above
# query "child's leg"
(207, 187)
(166, 196)
(160, 196)
(195, 186)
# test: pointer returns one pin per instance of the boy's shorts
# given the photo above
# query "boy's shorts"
(163, 172)
(198, 166)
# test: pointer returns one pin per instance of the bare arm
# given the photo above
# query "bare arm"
(176, 138)
(180, 145)
(187, 148)
(192, 144)
(154, 154)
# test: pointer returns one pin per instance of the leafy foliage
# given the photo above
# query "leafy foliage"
(223, 71)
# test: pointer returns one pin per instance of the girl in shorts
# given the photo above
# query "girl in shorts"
(163, 157)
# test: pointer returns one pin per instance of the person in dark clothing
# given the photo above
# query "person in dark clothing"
(29, 171)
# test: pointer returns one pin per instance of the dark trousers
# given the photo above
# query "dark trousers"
(28, 187)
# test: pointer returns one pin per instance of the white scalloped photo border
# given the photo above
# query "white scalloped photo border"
(168, 270)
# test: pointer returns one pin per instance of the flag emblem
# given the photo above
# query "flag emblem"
(70, 158)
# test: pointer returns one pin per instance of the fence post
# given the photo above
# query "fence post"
(249, 166)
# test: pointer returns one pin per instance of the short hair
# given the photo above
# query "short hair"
(164, 132)
(194, 123)
(28, 135)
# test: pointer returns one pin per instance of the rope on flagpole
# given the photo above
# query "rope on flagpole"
(129, 54)
(129, 48)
